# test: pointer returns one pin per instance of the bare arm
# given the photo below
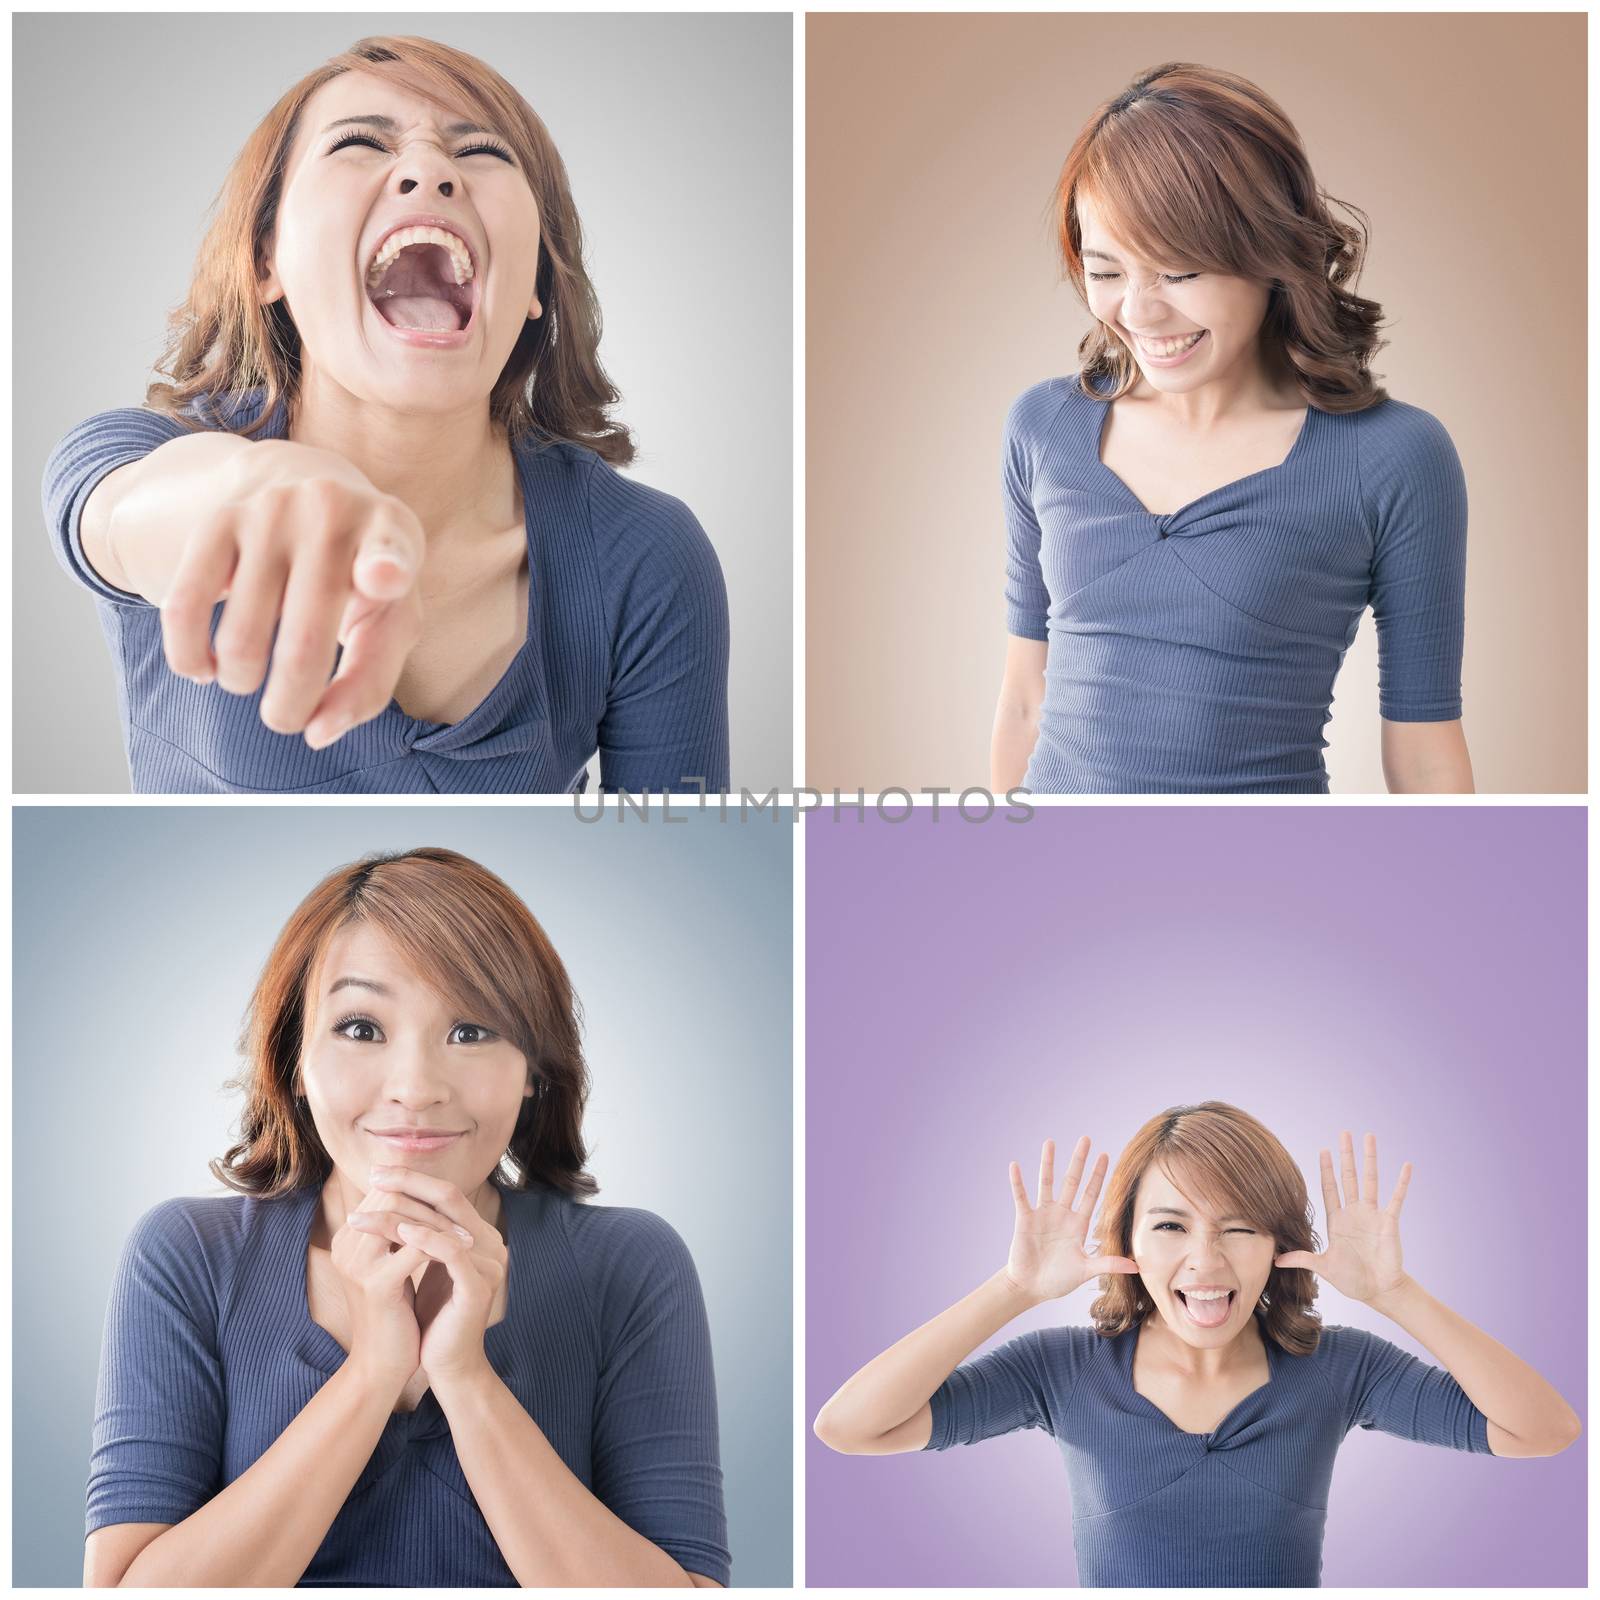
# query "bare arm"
(1527, 1417)
(551, 1530)
(1426, 758)
(264, 1528)
(146, 508)
(884, 1409)
(1016, 718)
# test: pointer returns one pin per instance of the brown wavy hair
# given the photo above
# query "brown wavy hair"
(1199, 166)
(1228, 1161)
(222, 339)
(474, 941)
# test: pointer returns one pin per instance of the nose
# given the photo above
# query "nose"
(415, 1074)
(424, 166)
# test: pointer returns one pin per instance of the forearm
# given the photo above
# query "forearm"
(137, 520)
(551, 1530)
(894, 1386)
(264, 1528)
(1016, 729)
(1501, 1385)
(1426, 758)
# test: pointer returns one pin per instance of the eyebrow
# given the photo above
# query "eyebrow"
(359, 983)
(1176, 1211)
(389, 125)
(1102, 255)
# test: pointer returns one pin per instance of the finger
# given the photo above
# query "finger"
(388, 558)
(1296, 1258)
(1369, 1170)
(375, 652)
(307, 643)
(243, 641)
(1080, 1154)
(1330, 1195)
(399, 1265)
(186, 608)
(1047, 1172)
(1397, 1199)
(1091, 1192)
(1019, 1192)
(441, 1194)
(1347, 1168)
(388, 1222)
(1117, 1264)
(439, 1246)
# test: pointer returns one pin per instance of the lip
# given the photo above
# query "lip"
(1185, 1288)
(425, 338)
(1169, 361)
(417, 1143)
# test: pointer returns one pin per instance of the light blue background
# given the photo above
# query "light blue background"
(139, 933)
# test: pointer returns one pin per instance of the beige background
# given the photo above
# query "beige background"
(934, 298)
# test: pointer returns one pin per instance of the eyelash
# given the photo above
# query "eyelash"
(485, 145)
(1181, 277)
(487, 1036)
(1160, 1225)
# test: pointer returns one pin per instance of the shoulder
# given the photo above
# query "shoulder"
(620, 509)
(1400, 441)
(630, 1261)
(188, 1245)
(1036, 412)
(1343, 1354)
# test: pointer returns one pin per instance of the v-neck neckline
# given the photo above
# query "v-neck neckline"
(1272, 1375)
(430, 728)
(1306, 425)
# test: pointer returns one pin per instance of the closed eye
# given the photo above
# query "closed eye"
(483, 147)
(1180, 277)
(1160, 1225)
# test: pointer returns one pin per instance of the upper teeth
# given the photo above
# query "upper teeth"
(1169, 347)
(460, 258)
(1208, 1294)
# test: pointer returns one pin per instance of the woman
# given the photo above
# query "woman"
(387, 436)
(409, 1354)
(1200, 1415)
(1197, 519)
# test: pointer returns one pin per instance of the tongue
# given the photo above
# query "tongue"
(419, 311)
(1208, 1313)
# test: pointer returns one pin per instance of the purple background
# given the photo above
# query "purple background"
(974, 988)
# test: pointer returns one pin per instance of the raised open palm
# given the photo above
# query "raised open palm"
(1047, 1257)
(1362, 1260)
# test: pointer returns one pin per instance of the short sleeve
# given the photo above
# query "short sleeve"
(75, 467)
(1416, 498)
(1384, 1387)
(656, 1461)
(1027, 599)
(1005, 1389)
(665, 723)
(156, 1452)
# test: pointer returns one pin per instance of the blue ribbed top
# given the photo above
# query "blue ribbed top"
(626, 650)
(210, 1353)
(1196, 651)
(1240, 1507)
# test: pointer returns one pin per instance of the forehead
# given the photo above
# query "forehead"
(360, 950)
(354, 94)
(1157, 1188)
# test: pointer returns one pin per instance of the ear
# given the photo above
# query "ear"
(535, 309)
(268, 288)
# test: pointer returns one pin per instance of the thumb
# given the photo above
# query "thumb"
(386, 562)
(1297, 1258)
(1114, 1264)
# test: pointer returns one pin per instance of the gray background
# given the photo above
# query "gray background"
(677, 135)
(140, 933)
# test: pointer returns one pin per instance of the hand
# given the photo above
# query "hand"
(296, 538)
(375, 1278)
(1047, 1259)
(1362, 1260)
(463, 1291)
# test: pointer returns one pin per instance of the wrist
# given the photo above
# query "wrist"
(1016, 1294)
(476, 1379)
(1396, 1296)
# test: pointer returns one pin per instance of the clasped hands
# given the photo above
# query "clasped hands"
(463, 1290)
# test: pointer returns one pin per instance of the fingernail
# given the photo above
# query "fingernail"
(319, 735)
(409, 1228)
(463, 1234)
(379, 1174)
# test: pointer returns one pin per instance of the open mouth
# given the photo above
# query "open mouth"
(1208, 1313)
(418, 292)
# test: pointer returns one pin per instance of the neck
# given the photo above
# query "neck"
(453, 469)
(1244, 392)
(1203, 1365)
